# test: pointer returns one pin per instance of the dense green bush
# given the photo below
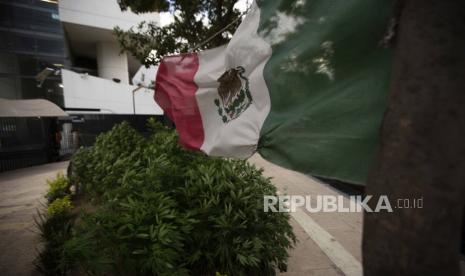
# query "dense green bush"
(100, 167)
(54, 227)
(57, 188)
(163, 210)
(60, 207)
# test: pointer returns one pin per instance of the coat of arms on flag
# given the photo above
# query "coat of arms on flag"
(234, 94)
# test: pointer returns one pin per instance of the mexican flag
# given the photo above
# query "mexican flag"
(304, 83)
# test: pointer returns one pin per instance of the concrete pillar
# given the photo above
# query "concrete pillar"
(111, 64)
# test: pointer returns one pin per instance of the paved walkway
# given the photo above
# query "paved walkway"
(21, 194)
(329, 243)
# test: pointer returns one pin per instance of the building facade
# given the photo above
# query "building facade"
(98, 80)
(31, 39)
(70, 43)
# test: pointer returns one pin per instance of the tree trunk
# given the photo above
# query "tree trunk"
(422, 150)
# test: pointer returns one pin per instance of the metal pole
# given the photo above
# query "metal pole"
(133, 102)
(133, 99)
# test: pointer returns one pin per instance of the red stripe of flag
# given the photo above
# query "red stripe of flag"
(175, 94)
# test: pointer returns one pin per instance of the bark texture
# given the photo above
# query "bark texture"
(422, 151)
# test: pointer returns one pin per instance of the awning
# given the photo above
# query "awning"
(30, 108)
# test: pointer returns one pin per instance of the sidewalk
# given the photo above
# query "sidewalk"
(328, 243)
(21, 193)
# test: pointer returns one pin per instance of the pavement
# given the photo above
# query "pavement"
(328, 243)
(21, 195)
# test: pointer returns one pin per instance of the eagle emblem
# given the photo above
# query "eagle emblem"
(234, 94)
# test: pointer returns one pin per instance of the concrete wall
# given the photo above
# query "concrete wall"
(104, 14)
(89, 27)
(84, 91)
(111, 62)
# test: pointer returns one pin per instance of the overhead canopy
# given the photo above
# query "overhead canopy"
(30, 108)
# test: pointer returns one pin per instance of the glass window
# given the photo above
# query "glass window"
(8, 88)
(54, 91)
(31, 39)
(6, 19)
(36, 20)
(29, 89)
(5, 41)
(50, 89)
(51, 46)
(8, 63)
(51, 4)
(28, 65)
(24, 43)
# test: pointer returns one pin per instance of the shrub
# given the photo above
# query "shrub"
(99, 168)
(55, 229)
(57, 188)
(60, 207)
(168, 211)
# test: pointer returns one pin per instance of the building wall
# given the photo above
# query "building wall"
(89, 26)
(103, 14)
(97, 95)
(111, 63)
(31, 38)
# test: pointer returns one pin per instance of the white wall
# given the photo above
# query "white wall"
(111, 62)
(104, 14)
(84, 91)
(145, 76)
